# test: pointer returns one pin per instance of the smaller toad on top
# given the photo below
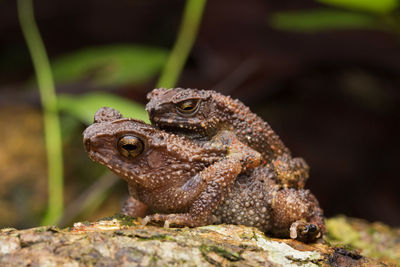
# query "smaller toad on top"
(201, 114)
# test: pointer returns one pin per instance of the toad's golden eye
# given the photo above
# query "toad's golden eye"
(188, 107)
(130, 146)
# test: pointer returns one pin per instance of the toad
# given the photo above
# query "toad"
(187, 182)
(201, 114)
(183, 180)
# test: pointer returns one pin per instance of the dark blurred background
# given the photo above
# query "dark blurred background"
(331, 93)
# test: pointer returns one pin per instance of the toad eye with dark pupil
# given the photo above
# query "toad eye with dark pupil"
(188, 106)
(130, 146)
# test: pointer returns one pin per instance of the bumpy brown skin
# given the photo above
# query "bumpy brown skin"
(216, 112)
(257, 200)
(181, 179)
(198, 182)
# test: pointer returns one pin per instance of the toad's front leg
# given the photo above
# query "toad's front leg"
(218, 180)
(132, 206)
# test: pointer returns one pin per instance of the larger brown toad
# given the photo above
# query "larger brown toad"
(201, 114)
(192, 183)
(181, 179)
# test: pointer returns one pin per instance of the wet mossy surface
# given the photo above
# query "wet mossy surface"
(375, 240)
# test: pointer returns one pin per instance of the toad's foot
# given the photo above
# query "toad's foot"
(296, 213)
(304, 231)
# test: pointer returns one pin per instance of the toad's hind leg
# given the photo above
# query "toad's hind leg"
(296, 213)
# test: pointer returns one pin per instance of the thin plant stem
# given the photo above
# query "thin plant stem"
(52, 131)
(187, 34)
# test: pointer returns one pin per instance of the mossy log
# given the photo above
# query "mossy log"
(121, 241)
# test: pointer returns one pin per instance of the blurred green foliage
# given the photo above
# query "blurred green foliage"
(322, 19)
(118, 65)
(187, 34)
(83, 107)
(111, 65)
(114, 66)
(345, 15)
(373, 6)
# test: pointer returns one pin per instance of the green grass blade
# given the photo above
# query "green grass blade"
(184, 43)
(52, 130)
(379, 7)
(316, 20)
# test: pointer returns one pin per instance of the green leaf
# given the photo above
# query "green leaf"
(110, 65)
(83, 107)
(322, 19)
(373, 6)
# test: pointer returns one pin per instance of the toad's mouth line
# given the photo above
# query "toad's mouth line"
(128, 176)
(181, 129)
(175, 125)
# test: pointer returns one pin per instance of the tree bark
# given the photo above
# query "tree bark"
(121, 241)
